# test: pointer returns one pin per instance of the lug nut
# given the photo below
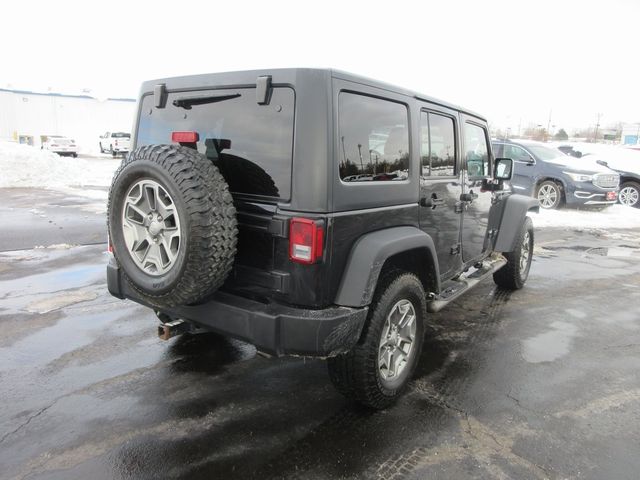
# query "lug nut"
(159, 218)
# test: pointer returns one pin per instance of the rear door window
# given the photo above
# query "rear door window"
(374, 139)
(251, 144)
(438, 145)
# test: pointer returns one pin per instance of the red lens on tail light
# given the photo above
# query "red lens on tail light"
(185, 137)
(306, 241)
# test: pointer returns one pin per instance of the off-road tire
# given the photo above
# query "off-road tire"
(208, 225)
(559, 197)
(245, 176)
(356, 373)
(514, 275)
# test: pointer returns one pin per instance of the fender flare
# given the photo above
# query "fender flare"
(514, 208)
(368, 255)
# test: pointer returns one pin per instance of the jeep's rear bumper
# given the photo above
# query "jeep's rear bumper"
(273, 328)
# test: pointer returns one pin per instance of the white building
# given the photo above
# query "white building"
(27, 116)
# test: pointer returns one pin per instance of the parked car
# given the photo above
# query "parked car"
(627, 165)
(115, 143)
(556, 179)
(63, 146)
(226, 217)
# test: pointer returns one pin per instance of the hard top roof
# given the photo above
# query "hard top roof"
(246, 75)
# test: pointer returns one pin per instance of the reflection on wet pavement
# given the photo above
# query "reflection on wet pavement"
(539, 383)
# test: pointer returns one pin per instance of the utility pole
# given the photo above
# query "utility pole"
(595, 135)
(548, 125)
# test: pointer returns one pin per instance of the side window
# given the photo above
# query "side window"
(498, 150)
(516, 153)
(374, 139)
(476, 150)
(437, 145)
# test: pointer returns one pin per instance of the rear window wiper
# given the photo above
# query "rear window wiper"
(188, 102)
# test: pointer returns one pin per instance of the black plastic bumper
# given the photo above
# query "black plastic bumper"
(273, 328)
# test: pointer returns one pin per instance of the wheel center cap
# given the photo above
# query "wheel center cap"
(155, 228)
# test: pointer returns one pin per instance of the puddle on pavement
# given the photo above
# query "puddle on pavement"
(549, 346)
(54, 281)
(613, 252)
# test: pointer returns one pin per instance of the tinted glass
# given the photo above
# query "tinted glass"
(516, 153)
(498, 150)
(544, 153)
(476, 150)
(374, 139)
(251, 144)
(437, 145)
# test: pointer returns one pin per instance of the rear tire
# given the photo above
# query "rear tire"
(172, 224)
(515, 273)
(377, 370)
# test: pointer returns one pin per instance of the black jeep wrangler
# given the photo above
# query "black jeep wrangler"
(313, 213)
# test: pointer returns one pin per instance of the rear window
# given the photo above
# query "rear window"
(121, 135)
(251, 144)
(374, 139)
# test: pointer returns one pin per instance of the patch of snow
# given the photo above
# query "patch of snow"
(55, 246)
(616, 216)
(62, 300)
(26, 166)
(617, 157)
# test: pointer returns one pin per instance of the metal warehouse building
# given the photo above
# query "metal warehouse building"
(27, 116)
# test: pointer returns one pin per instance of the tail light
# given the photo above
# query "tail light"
(185, 137)
(306, 238)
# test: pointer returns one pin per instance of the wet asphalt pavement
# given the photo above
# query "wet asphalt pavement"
(540, 383)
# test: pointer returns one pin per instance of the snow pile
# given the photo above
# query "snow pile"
(617, 157)
(616, 216)
(25, 166)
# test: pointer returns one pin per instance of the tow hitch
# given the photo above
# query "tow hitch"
(171, 329)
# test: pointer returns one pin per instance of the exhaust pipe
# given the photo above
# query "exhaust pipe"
(167, 330)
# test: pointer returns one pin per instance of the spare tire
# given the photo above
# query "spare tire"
(172, 224)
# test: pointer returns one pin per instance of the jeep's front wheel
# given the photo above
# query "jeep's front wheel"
(515, 273)
(172, 224)
(377, 370)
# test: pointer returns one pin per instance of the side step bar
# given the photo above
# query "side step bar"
(454, 288)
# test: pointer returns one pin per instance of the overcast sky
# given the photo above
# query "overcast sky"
(513, 61)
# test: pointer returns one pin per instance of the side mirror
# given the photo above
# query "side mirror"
(503, 169)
